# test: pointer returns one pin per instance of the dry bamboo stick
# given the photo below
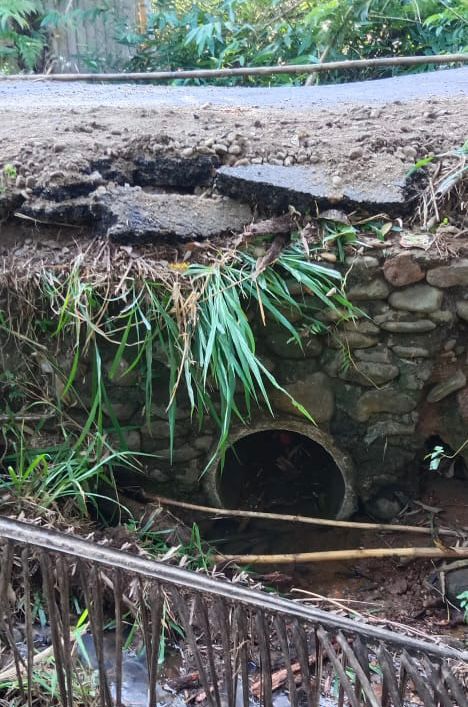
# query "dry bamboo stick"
(343, 555)
(279, 677)
(246, 71)
(327, 522)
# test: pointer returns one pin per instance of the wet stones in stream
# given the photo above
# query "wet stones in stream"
(451, 580)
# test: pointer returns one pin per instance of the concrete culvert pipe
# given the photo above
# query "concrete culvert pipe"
(285, 467)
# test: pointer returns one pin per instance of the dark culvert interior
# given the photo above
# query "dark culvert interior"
(282, 472)
(277, 471)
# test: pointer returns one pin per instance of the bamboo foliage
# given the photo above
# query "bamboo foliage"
(196, 326)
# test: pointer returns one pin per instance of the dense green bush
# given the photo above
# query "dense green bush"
(21, 39)
(25, 26)
(230, 33)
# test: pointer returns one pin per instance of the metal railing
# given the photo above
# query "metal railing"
(227, 629)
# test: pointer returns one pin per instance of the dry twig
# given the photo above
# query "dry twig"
(326, 522)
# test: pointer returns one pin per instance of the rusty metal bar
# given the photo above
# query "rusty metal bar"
(187, 625)
(418, 681)
(300, 642)
(390, 683)
(222, 617)
(5, 614)
(434, 676)
(55, 541)
(63, 580)
(156, 618)
(343, 678)
(221, 632)
(28, 621)
(283, 638)
(118, 591)
(241, 654)
(361, 676)
(55, 624)
(202, 613)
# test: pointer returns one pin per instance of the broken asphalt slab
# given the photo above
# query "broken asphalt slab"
(274, 188)
(130, 215)
(142, 213)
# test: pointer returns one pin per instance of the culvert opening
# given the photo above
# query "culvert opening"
(281, 471)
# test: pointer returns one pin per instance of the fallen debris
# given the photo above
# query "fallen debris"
(280, 677)
(344, 555)
(328, 522)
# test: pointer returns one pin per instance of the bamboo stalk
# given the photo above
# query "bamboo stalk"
(326, 522)
(246, 71)
(343, 555)
(313, 77)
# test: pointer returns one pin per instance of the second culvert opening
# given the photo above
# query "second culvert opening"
(281, 471)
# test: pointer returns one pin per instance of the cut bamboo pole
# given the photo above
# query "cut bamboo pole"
(326, 522)
(247, 71)
(343, 555)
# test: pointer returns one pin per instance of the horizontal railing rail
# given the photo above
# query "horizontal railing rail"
(227, 628)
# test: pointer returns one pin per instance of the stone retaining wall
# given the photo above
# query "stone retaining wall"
(396, 377)
(379, 387)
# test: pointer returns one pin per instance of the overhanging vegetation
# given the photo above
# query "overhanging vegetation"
(193, 320)
(218, 34)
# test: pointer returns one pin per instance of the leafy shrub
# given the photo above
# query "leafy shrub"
(230, 33)
(463, 598)
(183, 34)
(25, 26)
(21, 40)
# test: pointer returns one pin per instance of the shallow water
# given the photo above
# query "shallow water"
(135, 679)
(135, 682)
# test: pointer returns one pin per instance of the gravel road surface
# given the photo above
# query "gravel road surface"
(46, 95)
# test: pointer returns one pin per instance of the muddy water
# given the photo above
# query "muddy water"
(135, 678)
(135, 674)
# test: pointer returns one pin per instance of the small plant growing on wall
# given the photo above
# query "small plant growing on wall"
(463, 599)
(7, 177)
